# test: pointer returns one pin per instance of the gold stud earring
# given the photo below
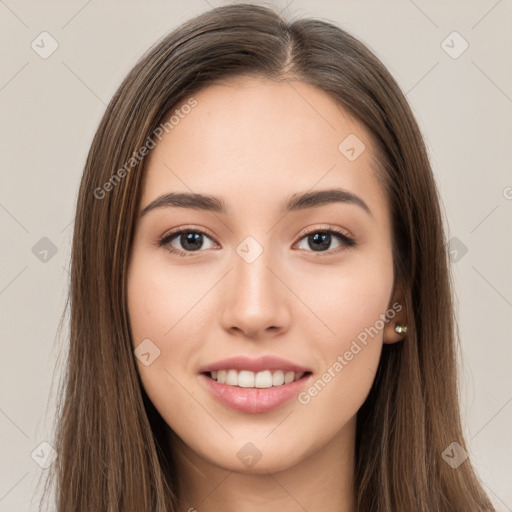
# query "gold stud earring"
(401, 329)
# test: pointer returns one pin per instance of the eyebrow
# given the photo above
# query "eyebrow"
(294, 203)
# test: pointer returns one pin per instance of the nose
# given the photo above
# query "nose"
(255, 300)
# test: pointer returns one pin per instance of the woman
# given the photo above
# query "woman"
(261, 310)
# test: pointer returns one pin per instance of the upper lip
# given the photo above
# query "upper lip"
(255, 365)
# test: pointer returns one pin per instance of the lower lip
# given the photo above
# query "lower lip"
(254, 400)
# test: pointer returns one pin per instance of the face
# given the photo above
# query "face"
(309, 284)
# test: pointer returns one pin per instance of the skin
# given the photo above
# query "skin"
(254, 143)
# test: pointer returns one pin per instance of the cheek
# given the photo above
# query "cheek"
(350, 298)
(352, 304)
(165, 308)
(153, 312)
(160, 301)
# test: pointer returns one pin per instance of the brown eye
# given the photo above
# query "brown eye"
(320, 240)
(188, 241)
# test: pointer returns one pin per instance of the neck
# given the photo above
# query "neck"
(321, 481)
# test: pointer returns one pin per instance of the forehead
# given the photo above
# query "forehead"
(253, 141)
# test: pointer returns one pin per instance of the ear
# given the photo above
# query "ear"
(397, 305)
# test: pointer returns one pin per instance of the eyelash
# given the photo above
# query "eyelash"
(347, 241)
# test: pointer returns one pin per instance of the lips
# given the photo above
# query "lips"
(260, 364)
(254, 400)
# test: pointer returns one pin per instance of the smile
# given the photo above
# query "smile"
(253, 399)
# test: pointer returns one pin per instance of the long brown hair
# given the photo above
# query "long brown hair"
(111, 442)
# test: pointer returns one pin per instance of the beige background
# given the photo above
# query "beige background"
(51, 107)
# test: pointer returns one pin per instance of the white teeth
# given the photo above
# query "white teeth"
(232, 378)
(288, 377)
(244, 379)
(263, 379)
(278, 378)
(248, 379)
